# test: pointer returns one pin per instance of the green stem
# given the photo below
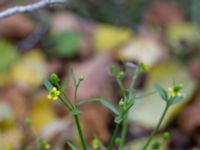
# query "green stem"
(80, 132)
(65, 95)
(124, 131)
(134, 78)
(75, 91)
(65, 103)
(114, 136)
(156, 128)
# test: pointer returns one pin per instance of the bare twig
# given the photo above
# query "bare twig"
(29, 7)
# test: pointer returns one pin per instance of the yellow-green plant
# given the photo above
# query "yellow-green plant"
(57, 92)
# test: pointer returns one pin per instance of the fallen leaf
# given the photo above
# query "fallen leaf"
(147, 110)
(163, 14)
(108, 37)
(17, 26)
(32, 65)
(145, 49)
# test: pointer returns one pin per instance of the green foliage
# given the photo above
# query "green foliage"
(102, 101)
(162, 92)
(54, 78)
(72, 75)
(28, 122)
(121, 115)
(64, 85)
(65, 44)
(72, 146)
(48, 85)
(8, 55)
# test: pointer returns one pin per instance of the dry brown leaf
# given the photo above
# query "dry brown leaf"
(17, 101)
(17, 26)
(195, 69)
(189, 119)
(95, 117)
(163, 14)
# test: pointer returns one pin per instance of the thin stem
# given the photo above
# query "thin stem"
(68, 99)
(114, 136)
(65, 103)
(156, 128)
(124, 131)
(134, 78)
(37, 139)
(75, 91)
(80, 132)
(121, 86)
(65, 95)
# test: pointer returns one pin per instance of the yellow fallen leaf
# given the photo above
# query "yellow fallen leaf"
(108, 37)
(30, 70)
(139, 143)
(148, 110)
(42, 113)
(182, 33)
(142, 49)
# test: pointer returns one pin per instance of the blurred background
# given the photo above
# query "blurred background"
(91, 35)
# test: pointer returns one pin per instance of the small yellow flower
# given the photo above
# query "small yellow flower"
(144, 67)
(47, 146)
(54, 94)
(175, 91)
(95, 143)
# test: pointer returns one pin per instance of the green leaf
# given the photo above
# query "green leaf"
(66, 44)
(8, 55)
(72, 75)
(114, 70)
(109, 106)
(175, 100)
(48, 85)
(72, 146)
(118, 119)
(102, 101)
(64, 85)
(75, 111)
(161, 92)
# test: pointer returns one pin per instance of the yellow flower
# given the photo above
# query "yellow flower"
(175, 91)
(54, 94)
(95, 143)
(47, 146)
(144, 67)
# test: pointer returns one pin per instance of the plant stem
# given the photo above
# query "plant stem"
(80, 132)
(124, 131)
(75, 91)
(65, 103)
(114, 136)
(155, 129)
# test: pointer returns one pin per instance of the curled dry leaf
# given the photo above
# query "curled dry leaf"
(16, 27)
(95, 118)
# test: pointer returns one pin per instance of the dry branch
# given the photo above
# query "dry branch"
(29, 7)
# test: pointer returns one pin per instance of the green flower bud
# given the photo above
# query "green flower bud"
(121, 75)
(81, 78)
(54, 78)
(166, 136)
(121, 103)
(118, 141)
(28, 122)
(156, 145)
